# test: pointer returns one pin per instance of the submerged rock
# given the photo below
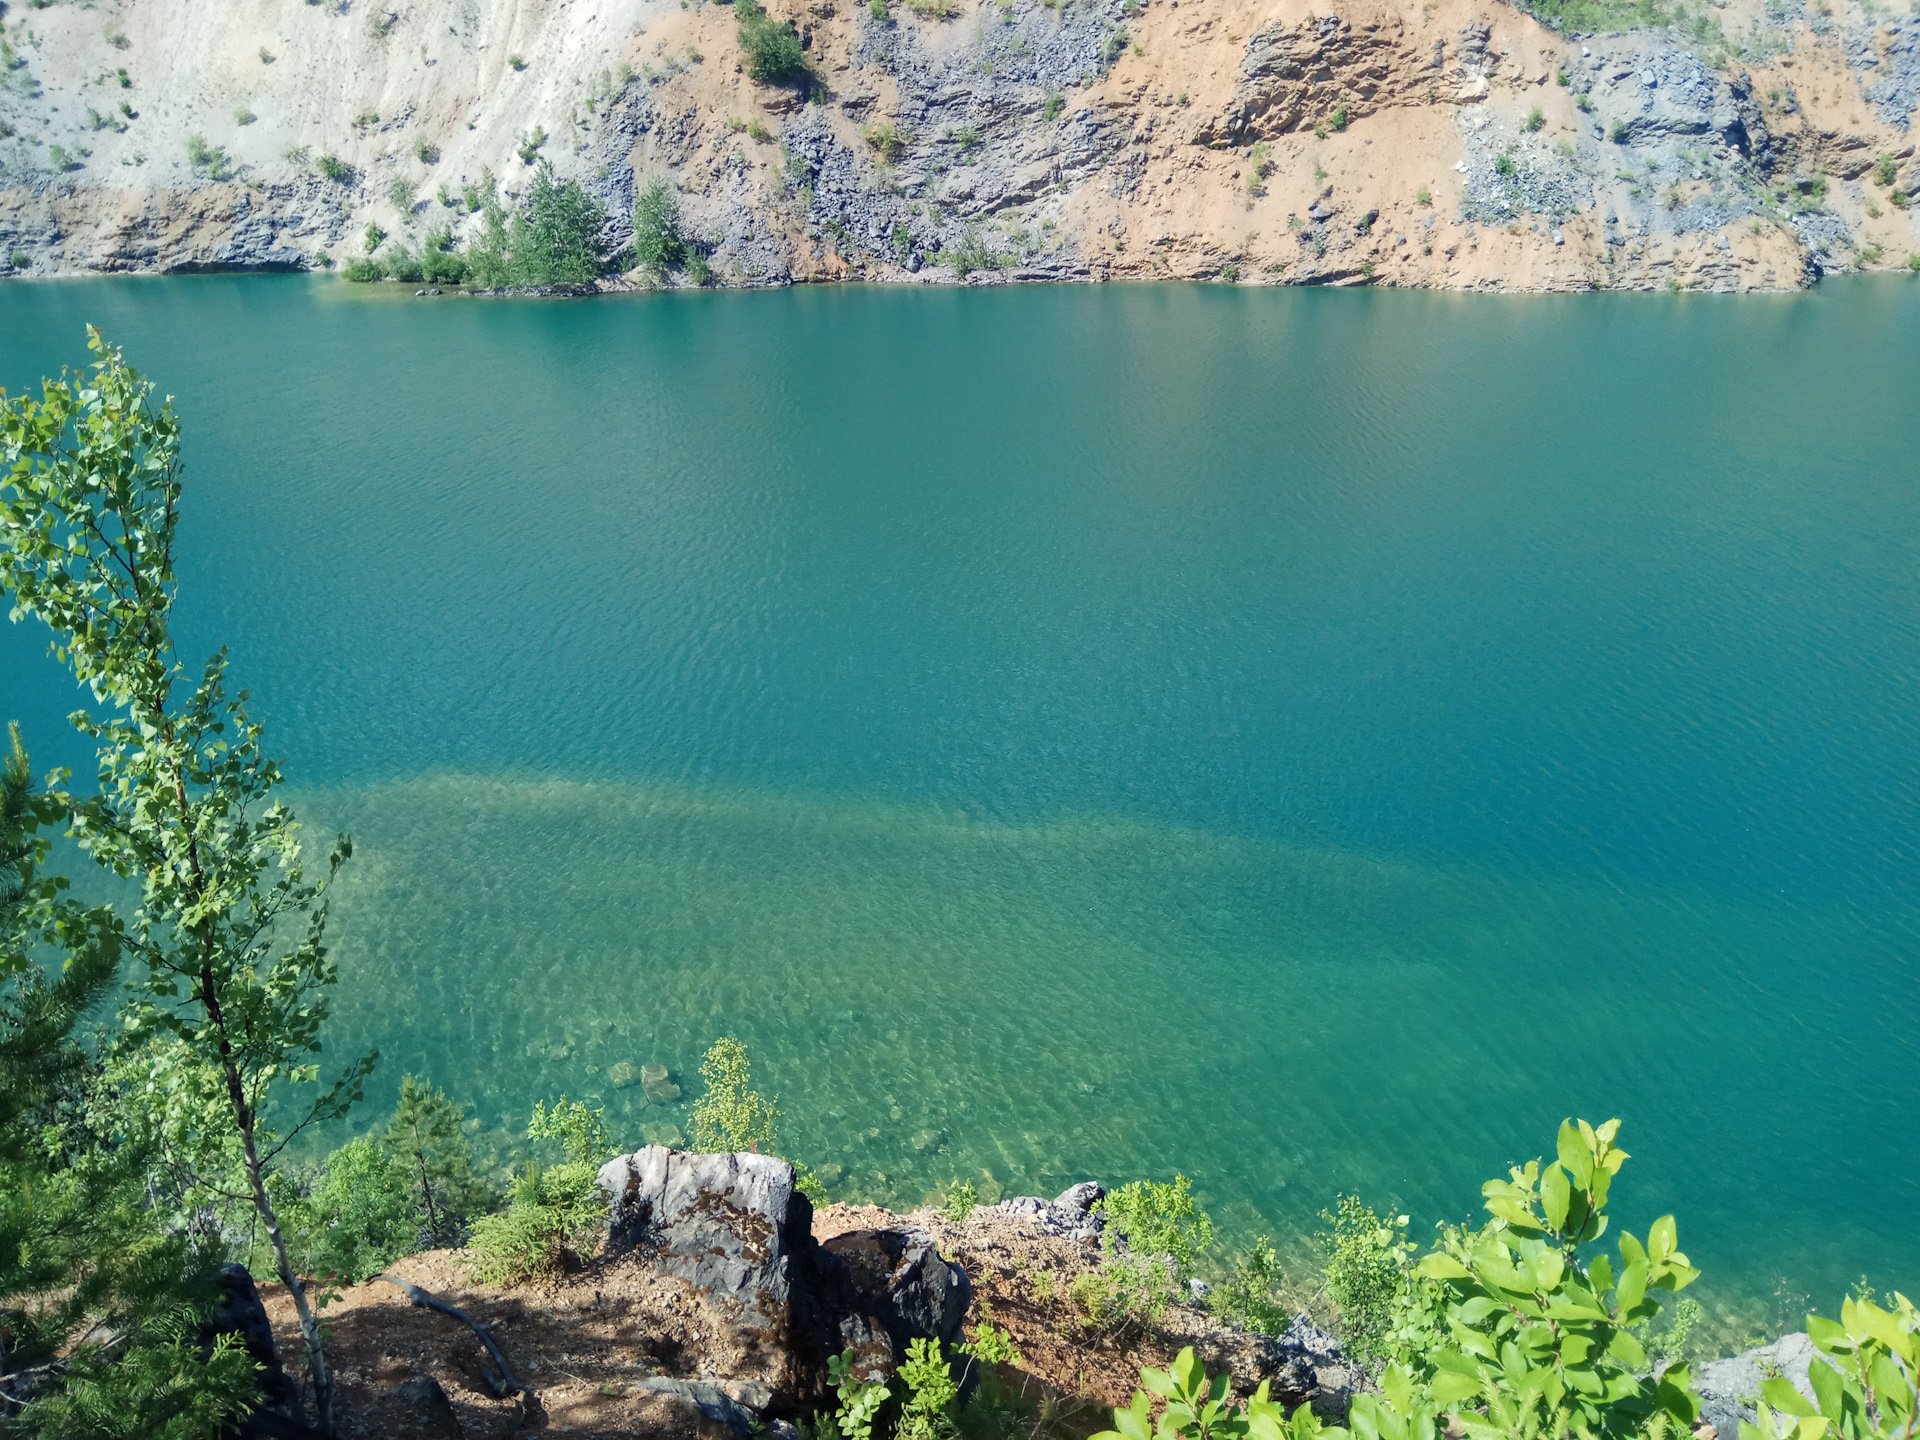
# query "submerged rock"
(658, 1084)
(622, 1074)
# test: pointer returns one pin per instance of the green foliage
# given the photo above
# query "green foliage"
(886, 139)
(404, 193)
(556, 237)
(1052, 105)
(860, 1403)
(360, 1214)
(425, 1137)
(580, 1129)
(1536, 120)
(1503, 164)
(530, 143)
(426, 152)
(1367, 1271)
(1248, 1295)
(960, 1200)
(209, 160)
(441, 263)
(1155, 1233)
(1541, 1330)
(555, 1211)
(1193, 1406)
(363, 270)
(166, 1387)
(1156, 1218)
(1339, 119)
(1259, 166)
(82, 1254)
(771, 47)
(731, 1115)
(926, 1410)
(334, 169)
(659, 241)
(228, 927)
(1867, 1383)
(373, 237)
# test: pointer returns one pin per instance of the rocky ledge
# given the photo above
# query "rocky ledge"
(714, 1303)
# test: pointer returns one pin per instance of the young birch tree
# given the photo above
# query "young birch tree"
(228, 928)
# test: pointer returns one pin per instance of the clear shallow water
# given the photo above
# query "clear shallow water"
(1310, 740)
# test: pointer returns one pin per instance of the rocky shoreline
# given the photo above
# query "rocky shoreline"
(1449, 144)
(719, 1295)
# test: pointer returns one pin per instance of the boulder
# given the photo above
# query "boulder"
(735, 1228)
(729, 1224)
(1729, 1387)
(238, 1311)
(429, 1413)
(902, 1284)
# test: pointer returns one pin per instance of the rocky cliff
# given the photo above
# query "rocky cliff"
(1448, 143)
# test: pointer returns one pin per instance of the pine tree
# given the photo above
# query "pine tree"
(425, 1135)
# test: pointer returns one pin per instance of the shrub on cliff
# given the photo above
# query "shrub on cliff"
(770, 47)
(555, 1210)
(1540, 1329)
(1155, 1234)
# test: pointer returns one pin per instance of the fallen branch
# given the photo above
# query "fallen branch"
(504, 1386)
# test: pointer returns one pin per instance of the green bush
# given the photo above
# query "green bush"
(358, 1216)
(731, 1115)
(334, 169)
(771, 47)
(424, 1134)
(1248, 1295)
(1539, 1332)
(1367, 1272)
(1542, 1329)
(959, 1201)
(1154, 1235)
(554, 1212)
(363, 270)
(659, 242)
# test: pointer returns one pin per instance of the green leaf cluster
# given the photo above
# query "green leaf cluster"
(1540, 1329)
(730, 1114)
(1867, 1386)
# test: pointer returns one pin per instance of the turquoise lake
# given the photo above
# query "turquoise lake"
(1309, 740)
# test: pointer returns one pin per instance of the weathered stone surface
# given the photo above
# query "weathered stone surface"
(1729, 1387)
(729, 1224)
(239, 1312)
(735, 1227)
(902, 1283)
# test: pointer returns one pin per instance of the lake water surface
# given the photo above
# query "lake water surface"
(1310, 740)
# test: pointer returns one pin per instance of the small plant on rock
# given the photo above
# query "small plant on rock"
(731, 1115)
(960, 1200)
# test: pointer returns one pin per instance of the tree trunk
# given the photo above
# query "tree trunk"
(283, 1263)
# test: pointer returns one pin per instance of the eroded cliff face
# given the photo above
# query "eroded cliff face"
(1449, 143)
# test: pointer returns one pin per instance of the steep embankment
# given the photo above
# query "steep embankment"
(1452, 143)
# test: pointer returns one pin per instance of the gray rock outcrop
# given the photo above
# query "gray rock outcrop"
(736, 1228)
(1728, 1388)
